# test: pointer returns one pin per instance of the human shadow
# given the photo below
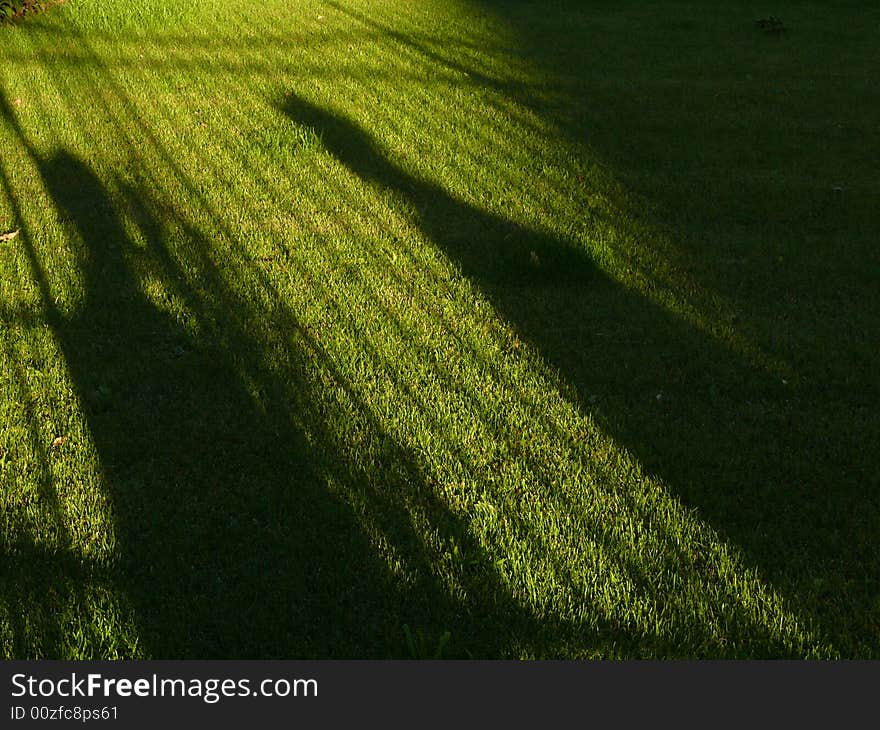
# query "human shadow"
(775, 462)
(231, 543)
(645, 374)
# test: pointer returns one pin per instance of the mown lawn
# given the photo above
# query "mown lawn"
(380, 328)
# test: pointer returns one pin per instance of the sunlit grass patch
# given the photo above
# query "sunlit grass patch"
(345, 317)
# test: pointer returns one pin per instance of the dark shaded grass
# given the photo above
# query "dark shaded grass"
(757, 154)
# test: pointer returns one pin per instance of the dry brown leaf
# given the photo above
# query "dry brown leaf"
(8, 236)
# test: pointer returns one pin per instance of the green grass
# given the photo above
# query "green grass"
(372, 328)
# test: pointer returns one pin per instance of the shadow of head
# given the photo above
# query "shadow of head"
(77, 190)
(82, 201)
(343, 139)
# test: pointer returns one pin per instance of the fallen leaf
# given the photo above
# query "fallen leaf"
(8, 236)
(61, 440)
